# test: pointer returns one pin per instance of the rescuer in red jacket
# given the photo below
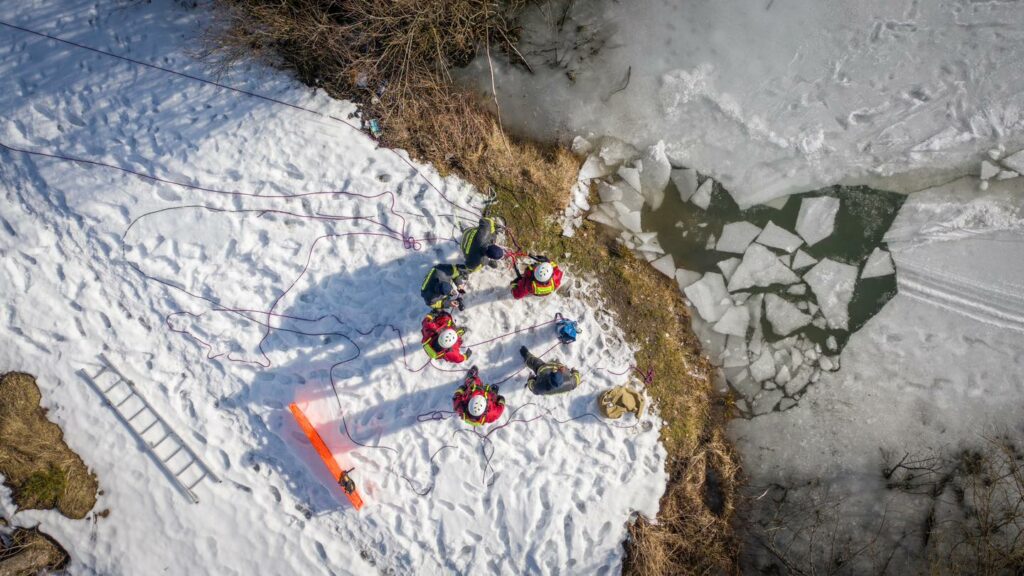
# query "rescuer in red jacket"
(477, 403)
(539, 279)
(442, 338)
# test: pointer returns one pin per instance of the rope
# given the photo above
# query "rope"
(472, 211)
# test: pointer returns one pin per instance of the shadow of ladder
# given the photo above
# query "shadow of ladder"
(178, 462)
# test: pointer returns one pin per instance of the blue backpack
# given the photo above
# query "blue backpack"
(566, 329)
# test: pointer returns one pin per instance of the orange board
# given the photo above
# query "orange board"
(325, 453)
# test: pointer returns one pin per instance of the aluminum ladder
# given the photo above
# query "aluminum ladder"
(178, 462)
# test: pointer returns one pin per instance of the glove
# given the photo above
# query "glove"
(462, 290)
(494, 388)
(468, 352)
(458, 304)
(540, 258)
(524, 352)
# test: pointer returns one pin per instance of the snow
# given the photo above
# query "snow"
(554, 496)
(708, 295)
(833, 284)
(702, 199)
(736, 236)
(734, 321)
(878, 264)
(685, 181)
(817, 218)
(783, 315)
(775, 236)
(760, 267)
(802, 260)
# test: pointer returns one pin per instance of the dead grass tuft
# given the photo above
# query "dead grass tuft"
(31, 552)
(36, 463)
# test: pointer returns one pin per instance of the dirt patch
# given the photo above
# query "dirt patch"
(37, 465)
(420, 111)
(28, 552)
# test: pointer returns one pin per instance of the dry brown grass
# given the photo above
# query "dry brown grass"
(423, 113)
(37, 465)
(31, 552)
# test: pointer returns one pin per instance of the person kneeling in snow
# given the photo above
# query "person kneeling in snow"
(477, 403)
(478, 244)
(549, 377)
(444, 286)
(539, 279)
(442, 338)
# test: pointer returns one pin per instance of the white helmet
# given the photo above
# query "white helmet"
(477, 406)
(543, 272)
(447, 338)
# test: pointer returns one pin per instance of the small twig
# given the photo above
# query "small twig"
(494, 94)
(625, 84)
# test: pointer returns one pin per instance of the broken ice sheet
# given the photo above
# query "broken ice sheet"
(833, 284)
(736, 236)
(777, 237)
(760, 267)
(783, 315)
(686, 183)
(817, 218)
(734, 322)
(703, 196)
(878, 264)
(707, 295)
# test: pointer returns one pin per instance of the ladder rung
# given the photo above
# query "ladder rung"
(160, 441)
(147, 428)
(141, 410)
(172, 454)
(190, 463)
(114, 385)
(125, 399)
(196, 481)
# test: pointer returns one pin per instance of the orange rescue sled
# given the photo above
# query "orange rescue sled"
(344, 480)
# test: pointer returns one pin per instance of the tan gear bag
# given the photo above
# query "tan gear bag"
(620, 400)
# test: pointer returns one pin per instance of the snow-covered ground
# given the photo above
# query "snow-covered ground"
(773, 97)
(245, 287)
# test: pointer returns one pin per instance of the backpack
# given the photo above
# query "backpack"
(566, 329)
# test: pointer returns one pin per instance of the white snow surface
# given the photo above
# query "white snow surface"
(777, 97)
(76, 239)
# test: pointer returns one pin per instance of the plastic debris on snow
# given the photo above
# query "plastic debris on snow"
(817, 218)
(707, 296)
(878, 264)
(833, 284)
(736, 236)
(802, 260)
(775, 236)
(783, 315)
(760, 267)
(685, 181)
(702, 199)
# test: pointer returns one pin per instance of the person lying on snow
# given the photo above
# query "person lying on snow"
(478, 244)
(549, 377)
(444, 286)
(477, 403)
(539, 279)
(442, 338)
